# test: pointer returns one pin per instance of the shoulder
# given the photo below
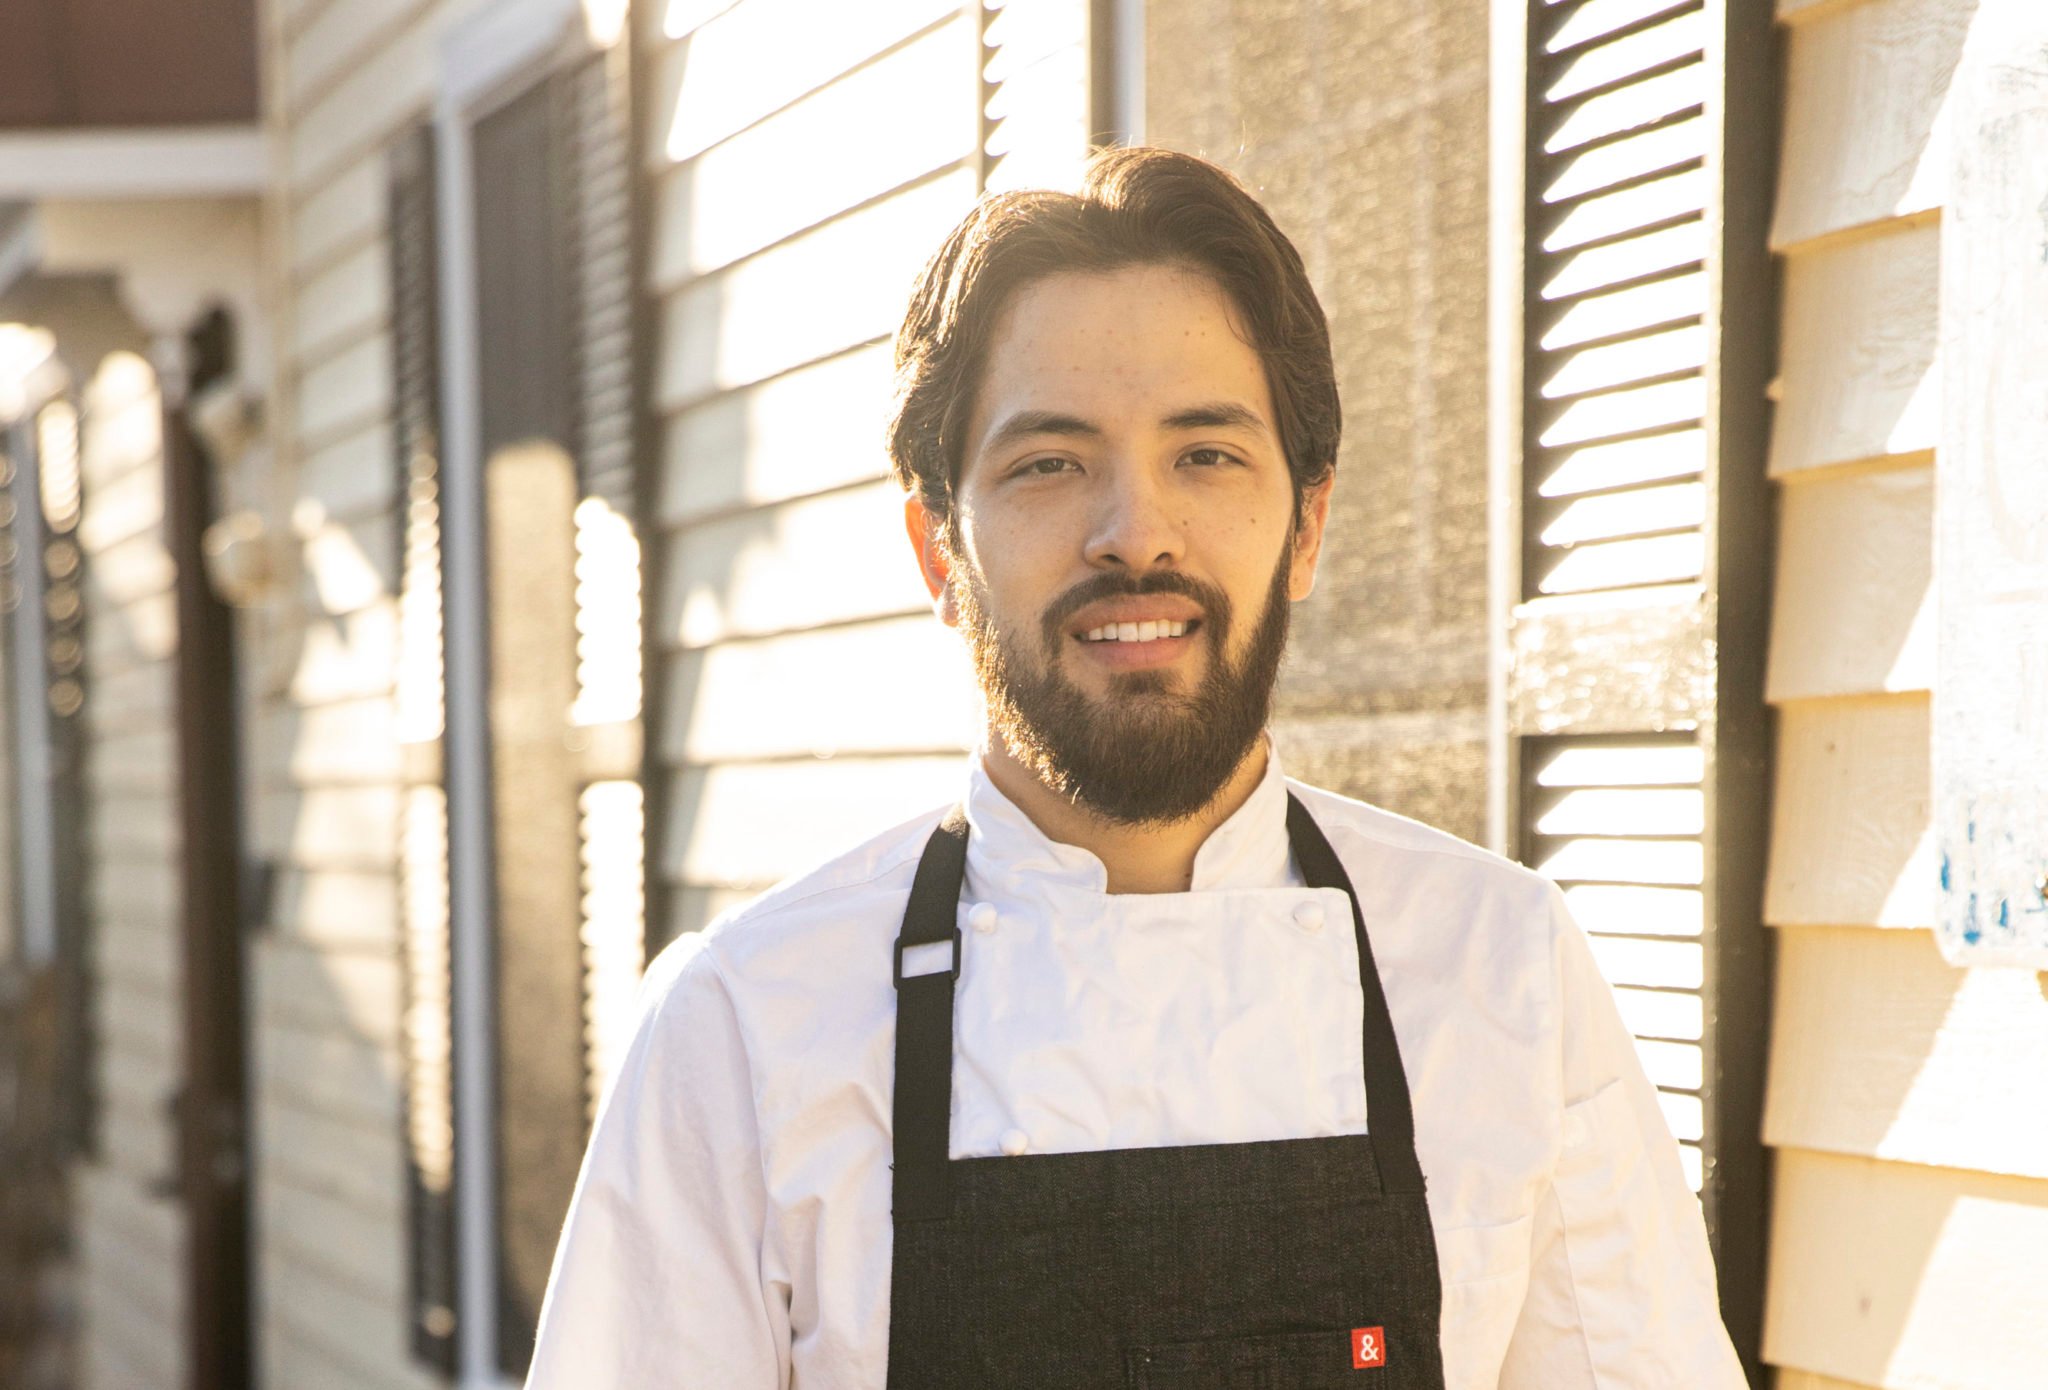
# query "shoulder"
(875, 869)
(805, 970)
(1460, 905)
(1358, 827)
(843, 909)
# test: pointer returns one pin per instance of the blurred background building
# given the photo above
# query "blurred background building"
(448, 556)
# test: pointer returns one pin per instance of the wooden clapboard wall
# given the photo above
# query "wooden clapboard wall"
(807, 698)
(130, 1224)
(340, 776)
(1907, 1104)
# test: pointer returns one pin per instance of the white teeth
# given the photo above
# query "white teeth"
(1135, 632)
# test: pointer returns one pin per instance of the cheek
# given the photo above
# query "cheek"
(1015, 554)
(1239, 548)
(998, 558)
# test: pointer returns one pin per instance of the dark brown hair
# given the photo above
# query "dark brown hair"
(1135, 207)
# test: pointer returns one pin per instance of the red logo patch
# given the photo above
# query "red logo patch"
(1368, 1347)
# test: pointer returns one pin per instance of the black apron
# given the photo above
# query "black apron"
(1290, 1264)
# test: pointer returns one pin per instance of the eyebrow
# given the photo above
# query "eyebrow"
(1217, 415)
(1025, 424)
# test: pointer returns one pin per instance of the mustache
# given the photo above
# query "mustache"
(1214, 602)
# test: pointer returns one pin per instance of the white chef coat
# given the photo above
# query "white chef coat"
(730, 1229)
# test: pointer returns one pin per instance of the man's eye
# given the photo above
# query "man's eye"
(1208, 458)
(1046, 467)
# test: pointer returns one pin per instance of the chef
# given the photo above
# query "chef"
(1142, 1066)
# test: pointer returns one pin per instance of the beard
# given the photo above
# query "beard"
(1146, 753)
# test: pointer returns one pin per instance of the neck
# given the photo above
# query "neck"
(1148, 858)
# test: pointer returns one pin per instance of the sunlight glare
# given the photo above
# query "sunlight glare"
(1626, 811)
(605, 21)
(613, 933)
(57, 461)
(607, 616)
(420, 695)
(1654, 1014)
(23, 349)
(1639, 512)
(1676, 862)
(423, 905)
(1623, 765)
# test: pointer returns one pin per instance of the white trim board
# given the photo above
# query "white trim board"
(36, 891)
(19, 248)
(1507, 78)
(174, 162)
(484, 59)
(497, 45)
(1128, 20)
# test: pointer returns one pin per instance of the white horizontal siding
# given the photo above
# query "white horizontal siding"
(326, 983)
(130, 1231)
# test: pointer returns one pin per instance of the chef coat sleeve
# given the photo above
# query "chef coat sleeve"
(1622, 1288)
(657, 1283)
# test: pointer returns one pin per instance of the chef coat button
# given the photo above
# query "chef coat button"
(1576, 1131)
(1015, 1141)
(982, 917)
(1309, 916)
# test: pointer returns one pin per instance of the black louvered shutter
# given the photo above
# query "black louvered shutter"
(1039, 90)
(595, 122)
(59, 501)
(423, 866)
(1615, 500)
(42, 627)
(1635, 690)
(525, 396)
(565, 584)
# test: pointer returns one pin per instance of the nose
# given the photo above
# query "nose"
(1134, 527)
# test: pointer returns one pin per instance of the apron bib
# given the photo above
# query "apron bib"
(1291, 1264)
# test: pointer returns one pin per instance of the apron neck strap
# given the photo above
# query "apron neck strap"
(923, 1106)
(923, 1101)
(1391, 1115)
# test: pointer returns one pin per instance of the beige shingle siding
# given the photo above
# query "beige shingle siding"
(1911, 1186)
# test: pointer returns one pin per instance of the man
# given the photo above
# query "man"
(1144, 1067)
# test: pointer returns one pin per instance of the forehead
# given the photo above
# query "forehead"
(1102, 345)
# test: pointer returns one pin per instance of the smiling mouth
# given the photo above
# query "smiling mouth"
(1140, 632)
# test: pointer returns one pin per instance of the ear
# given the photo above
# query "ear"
(925, 531)
(1308, 538)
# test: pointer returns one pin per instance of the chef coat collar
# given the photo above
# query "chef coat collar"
(1006, 849)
